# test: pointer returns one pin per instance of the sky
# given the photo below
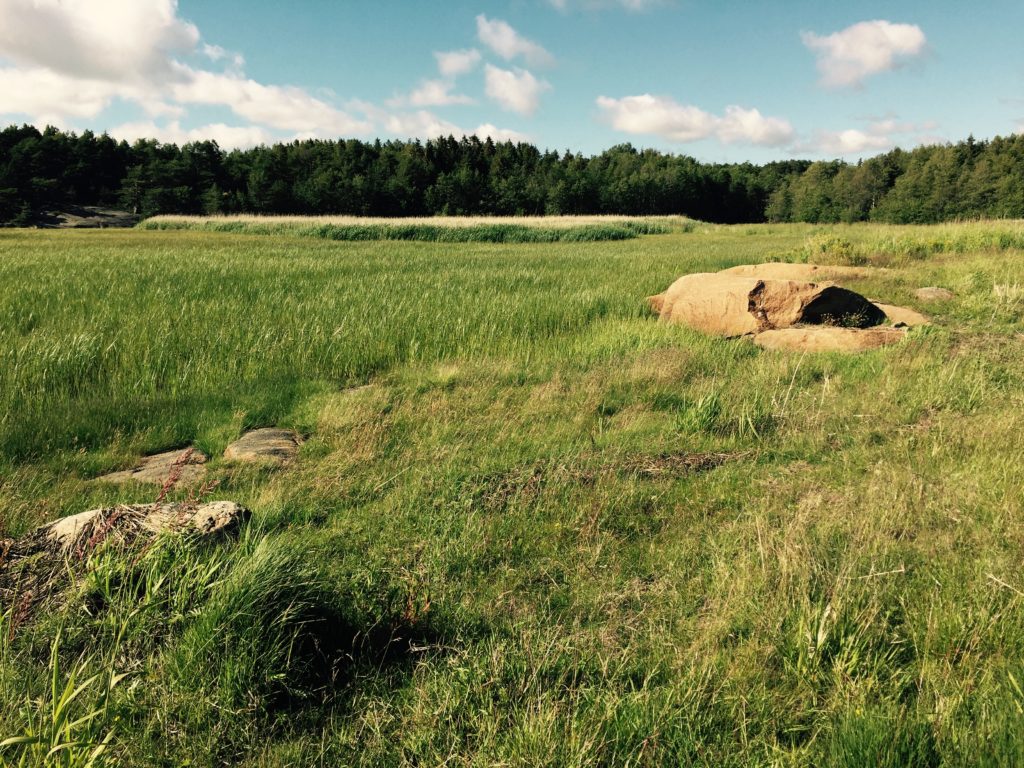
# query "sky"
(721, 80)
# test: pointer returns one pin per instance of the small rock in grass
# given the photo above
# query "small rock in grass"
(40, 564)
(186, 465)
(931, 293)
(269, 445)
(213, 517)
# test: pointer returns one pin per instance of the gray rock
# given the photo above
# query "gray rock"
(931, 293)
(184, 464)
(205, 519)
(269, 445)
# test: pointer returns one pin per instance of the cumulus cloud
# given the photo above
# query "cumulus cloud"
(514, 90)
(424, 124)
(879, 134)
(849, 142)
(110, 40)
(491, 131)
(216, 53)
(885, 126)
(51, 97)
(228, 136)
(847, 57)
(682, 123)
(507, 43)
(436, 93)
(70, 59)
(456, 63)
(749, 126)
(282, 107)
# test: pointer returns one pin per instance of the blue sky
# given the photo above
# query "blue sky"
(724, 81)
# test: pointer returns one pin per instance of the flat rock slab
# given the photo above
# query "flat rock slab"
(184, 464)
(932, 293)
(829, 339)
(269, 445)
(902, 315)
(810, 273)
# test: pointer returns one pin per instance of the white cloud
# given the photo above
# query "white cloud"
(848, 142)
(73, 58)
(227, 136)
(664, 117)
(110, 40)
(500, 134)
(749, 126)
(216, 53)
(501, 38)
(423, 124)
(515, 91)
(282, 107)
(847, 57)
(436, 93)
(886, 126)
(50, 97)
(455, 63)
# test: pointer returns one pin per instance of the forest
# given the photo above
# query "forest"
(42, 170)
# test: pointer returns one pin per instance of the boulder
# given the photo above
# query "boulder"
(808, 273)
(205, 519)
(932, 293)
(902, 315)
(269, 445)
(829, 339)
(38, 565)
(733, 305)
(186, 465)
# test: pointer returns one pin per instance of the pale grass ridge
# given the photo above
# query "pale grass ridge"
(438, 221)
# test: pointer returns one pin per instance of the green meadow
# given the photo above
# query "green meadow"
(529, 524)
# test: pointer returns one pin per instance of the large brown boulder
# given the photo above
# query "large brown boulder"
(826, 338)
(734, 305)
(810, 273)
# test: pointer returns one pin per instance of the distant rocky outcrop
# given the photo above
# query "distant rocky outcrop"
(83, 217)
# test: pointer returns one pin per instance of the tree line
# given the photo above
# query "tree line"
(46, 169)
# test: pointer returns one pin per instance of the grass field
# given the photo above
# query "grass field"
(447, 229)
(529, 525)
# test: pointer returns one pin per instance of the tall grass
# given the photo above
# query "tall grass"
(529, 524)
(438, 231)
(71, 726)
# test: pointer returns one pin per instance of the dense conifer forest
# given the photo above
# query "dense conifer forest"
(46, 169)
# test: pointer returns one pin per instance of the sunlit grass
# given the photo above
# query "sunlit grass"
(529, 524)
